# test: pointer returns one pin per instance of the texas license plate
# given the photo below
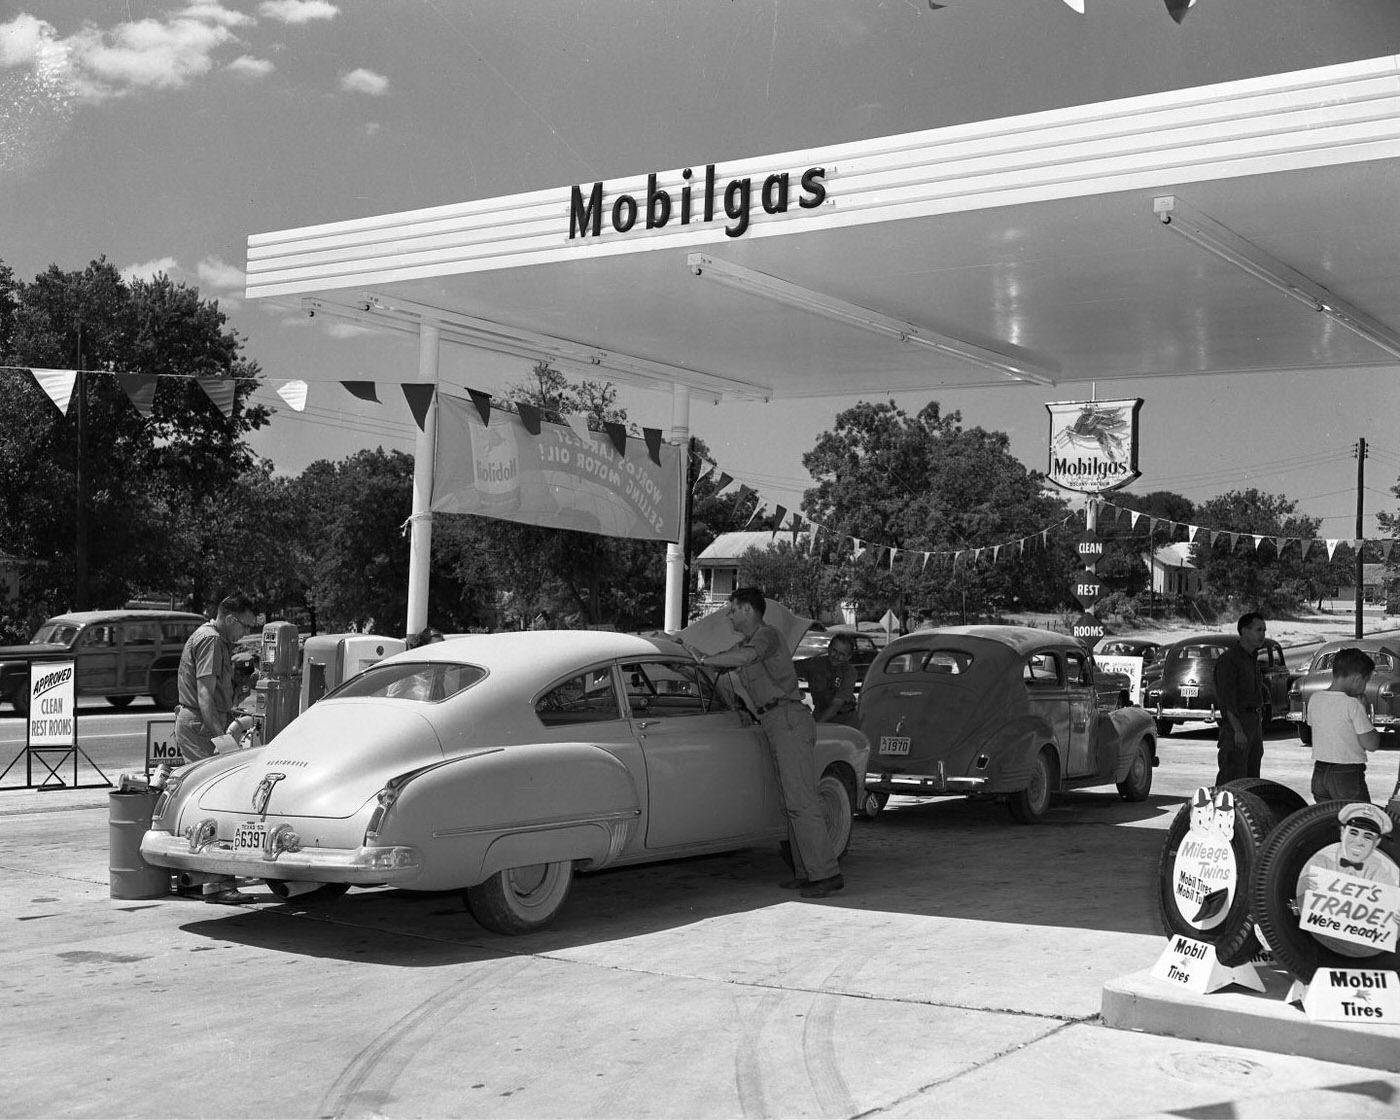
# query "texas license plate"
(894, 744)
(1190, 691)
(250, 836)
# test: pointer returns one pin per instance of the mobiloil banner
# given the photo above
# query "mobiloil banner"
(561, 479)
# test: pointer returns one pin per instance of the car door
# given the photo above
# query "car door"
(1082, 704)
(96, 656)
(709, 774)
(1044, 676)
(1273, 672)
(140, 642)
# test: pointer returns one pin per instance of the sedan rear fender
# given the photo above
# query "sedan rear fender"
(522, 804)
(1010, 752)
(1120, 732)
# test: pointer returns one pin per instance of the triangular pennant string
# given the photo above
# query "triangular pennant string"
(58, 385)
(362, 390)
(724, 480)
(779, 512)
(653, 441)
(222, 391)
(1331, 547)
(483, 404)
(294, 393)
(420, 399)
(140, 390)
(617, 433)
(529, 416)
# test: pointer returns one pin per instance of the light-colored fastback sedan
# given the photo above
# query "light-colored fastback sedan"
(498, 764)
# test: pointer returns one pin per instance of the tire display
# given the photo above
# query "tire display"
(1281, 800)
(1220, 916)
(1276, 894)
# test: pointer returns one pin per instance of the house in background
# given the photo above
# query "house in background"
(717, 567)
(1172, 570)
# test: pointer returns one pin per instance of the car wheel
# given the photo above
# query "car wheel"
(1274, 895)
(166, 693)
(874, 804)
(521, 899)
(1029, 806)
(1220, 921)
(1305, 734)
(1138, 784)
(120, 701)
(322, 892)
(1282, 801)
(1164, 728)
(838, 804)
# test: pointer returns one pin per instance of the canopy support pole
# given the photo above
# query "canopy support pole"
(675, 553)
(420, 523)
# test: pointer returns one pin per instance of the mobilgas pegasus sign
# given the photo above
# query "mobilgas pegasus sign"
(694, 202)
(1093, 444)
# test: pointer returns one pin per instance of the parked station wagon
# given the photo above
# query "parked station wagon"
(1382, 698)
(1005, 711)
(118, 654)
(1185, 689)
(497, 764)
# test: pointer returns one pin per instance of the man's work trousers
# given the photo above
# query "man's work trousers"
(792, 738)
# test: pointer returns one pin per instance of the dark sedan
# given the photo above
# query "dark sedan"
(1382, 697)
(1185, 690)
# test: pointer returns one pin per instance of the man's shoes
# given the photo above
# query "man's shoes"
(820, 888)
(793, 884)
(230, 897)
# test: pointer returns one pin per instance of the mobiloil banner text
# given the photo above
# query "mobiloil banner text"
(561, 479)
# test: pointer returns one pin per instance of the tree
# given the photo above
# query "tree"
(148, 477)
(1390, 523)
(926, 484)
(1124, 567)
(791, 575)
(1241, 575)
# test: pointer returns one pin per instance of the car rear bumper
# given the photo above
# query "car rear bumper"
(1208, 715)
(362, 867)
(925, 785)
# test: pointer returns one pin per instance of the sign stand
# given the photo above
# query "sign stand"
(1193, 965)
(51, 728)
(1349, 995)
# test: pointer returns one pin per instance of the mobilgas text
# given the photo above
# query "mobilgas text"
(658, 207)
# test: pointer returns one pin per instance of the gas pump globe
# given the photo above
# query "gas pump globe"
(278, 691)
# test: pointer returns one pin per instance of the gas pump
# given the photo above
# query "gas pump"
(278, 691)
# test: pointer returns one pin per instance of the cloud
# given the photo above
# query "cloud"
(215, 278)
(215, 273)
(250, 67)
(211, 11)
(364, 81)
(146, 54)
(149, 270)
(297, 11)
(348, 330)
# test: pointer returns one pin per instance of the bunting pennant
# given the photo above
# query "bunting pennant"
(294, 393)
(724, 480)
(529, 416)
(1234, 540)
(1258, 540)
(796, 527)
(1177, 9)
(653, 441)
(58, 385)
(222, 391)
(617, 433)
(779, 512)
(1279, 542)
(856, 549)
(140, 390)
(1191, 532)
(893, 553)
(362, 390)
(924, 565)
(419, 396)
(1386, 546)
(1331, 547)
(754, 513)
(483, 405)
(1305, 545)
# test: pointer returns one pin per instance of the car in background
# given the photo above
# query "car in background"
(1012, 712)
(1148, 650)
(497, 765)
(119, 655)
(1382, 698)
(814, 645)
(1185, 688)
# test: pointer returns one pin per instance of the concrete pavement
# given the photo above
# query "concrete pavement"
(961, 973)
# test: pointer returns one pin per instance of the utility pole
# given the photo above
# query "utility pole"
(80, 542)
(1360, 544)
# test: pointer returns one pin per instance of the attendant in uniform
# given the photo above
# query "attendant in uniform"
(1237, 693)
(837, 703)
(1357, 850)
(765, 669)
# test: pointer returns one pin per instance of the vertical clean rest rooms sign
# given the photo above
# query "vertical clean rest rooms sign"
(51, 704)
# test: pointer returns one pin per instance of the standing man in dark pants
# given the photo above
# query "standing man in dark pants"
(1237, 692)
(766, 671)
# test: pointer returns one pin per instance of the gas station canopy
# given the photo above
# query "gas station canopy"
(1250, 225)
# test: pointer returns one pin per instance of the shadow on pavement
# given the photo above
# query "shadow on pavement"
(1091, 866)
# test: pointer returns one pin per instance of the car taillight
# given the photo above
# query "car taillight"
(387, 859)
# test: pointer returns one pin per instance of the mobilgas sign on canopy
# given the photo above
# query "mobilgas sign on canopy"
(688, 202)
(1093, 444)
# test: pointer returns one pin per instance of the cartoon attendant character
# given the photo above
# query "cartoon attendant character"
(1355, 853)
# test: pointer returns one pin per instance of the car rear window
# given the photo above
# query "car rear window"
(951, 662)
(425, 681)
(1384, 662)
(1197, 653)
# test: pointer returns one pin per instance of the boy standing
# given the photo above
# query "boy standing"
(1341, 730)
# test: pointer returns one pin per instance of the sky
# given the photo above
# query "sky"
(161, 135)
